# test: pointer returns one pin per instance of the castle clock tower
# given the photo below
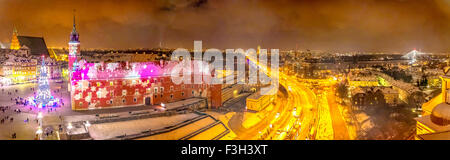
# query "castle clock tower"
(74, 51)
(74, 46)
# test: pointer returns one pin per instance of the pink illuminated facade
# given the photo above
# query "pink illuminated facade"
(124, 84)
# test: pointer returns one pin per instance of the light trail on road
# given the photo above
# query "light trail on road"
(303, 100)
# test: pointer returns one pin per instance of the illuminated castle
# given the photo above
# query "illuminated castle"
(95, 85)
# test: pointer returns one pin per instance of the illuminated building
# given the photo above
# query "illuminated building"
(258, 101)
(362, 81)
(19, 63)
(17, 69)
(36, 45)
(443, 97)
(374, 96)
(435, 120)
(58, 54)
(112, 83)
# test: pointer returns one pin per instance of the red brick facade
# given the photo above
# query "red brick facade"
(94, 94)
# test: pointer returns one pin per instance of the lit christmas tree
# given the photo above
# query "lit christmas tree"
(43, 97)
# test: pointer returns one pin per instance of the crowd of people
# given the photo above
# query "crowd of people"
(16, 107)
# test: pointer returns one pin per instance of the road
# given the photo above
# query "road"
(339, 124)
(298, 116)
(305, 115)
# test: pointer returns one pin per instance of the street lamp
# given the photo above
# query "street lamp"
(39, 133)
(40, 116)
(87, 124)
(69, 126)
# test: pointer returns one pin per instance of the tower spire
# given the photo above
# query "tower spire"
(74, 35)
(15, 45)
(74, 22)
(15, 30)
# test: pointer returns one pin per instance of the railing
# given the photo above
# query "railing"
(222, 134)
(192, 134)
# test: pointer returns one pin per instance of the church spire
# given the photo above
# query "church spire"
(15, 31)
(15, 45)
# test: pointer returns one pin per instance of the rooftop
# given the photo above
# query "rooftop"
(435, 136)
(384, 89)
(426, 120)
(36, 44)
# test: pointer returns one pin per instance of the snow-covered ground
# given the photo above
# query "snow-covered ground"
(26, 130)
(111, 130)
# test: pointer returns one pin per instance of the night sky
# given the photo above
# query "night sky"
(333, 25)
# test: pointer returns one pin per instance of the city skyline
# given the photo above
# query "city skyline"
(345, 25)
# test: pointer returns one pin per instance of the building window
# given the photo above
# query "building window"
(123, 100)
(156, 90)
(161, 89)
(182, 93)
(136, 92)
(124, 92)
(448, 95)
(171, 96)
(192, 92)
(171, 88)
(81, 104)
(135, 99)
(99, 94)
